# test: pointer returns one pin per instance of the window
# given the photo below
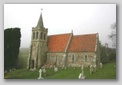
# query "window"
(33, 35)
(44, 36)
(86, 57)
(36, 35)
(73, 58)
(41, 35)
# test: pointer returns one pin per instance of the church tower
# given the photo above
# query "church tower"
(38, 48)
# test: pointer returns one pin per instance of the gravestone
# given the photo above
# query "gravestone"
(81, 76)
(91, 69)
(44, 71)
(55, 69)
(40, 74)
(101, 65)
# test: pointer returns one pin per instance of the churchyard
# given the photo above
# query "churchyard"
(108, 71)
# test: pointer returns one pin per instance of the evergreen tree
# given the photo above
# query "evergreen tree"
(11, 47)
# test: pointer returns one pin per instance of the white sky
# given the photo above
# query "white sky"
(61, 18)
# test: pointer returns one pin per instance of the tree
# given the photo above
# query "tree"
(112, 36)
(11, 47)
(103, 54)
(107, 54)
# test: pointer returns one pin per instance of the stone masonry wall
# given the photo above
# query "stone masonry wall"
(79, 59)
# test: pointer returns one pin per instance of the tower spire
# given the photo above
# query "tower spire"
(40, 21)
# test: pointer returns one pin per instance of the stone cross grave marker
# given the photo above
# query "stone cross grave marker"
(40, 74)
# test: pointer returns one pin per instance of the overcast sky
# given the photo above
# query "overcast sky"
(61, 18)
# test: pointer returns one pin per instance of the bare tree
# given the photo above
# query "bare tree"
(112, 36)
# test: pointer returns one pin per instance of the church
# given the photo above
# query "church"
(62, 49)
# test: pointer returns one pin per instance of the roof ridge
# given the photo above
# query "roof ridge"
(86, 34)
(60, 34)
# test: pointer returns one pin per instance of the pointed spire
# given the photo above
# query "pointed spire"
(40, 21)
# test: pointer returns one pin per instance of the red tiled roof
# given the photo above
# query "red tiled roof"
(83, 43)
(58, 43)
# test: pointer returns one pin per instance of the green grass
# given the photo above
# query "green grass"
(107, 72)
(21, 74)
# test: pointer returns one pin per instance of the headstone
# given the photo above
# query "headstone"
(91, 69)
(81, 76)
(55, 69)
(101, 65)
(44, 70)
(40, 74)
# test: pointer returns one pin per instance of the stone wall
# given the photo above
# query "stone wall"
(56, 58)
(79, 59)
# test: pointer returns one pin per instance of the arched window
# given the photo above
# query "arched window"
(41, 34)
(86, 57)
(33, 35)
(44, 36)
(36, 35)
(73, 58)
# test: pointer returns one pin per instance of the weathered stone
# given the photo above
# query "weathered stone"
(101, 65)
(40, 53)
(40, 74)
(81, 76)
(55, 69)
(91, 69)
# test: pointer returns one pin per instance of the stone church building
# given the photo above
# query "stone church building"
(62, 49)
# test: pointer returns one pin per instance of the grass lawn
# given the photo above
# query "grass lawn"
(107, 72)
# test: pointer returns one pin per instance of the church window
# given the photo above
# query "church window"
(73, 58)
(44, 36)
(36, 35)
(33, 35)
(86, 57)
(41, 35)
